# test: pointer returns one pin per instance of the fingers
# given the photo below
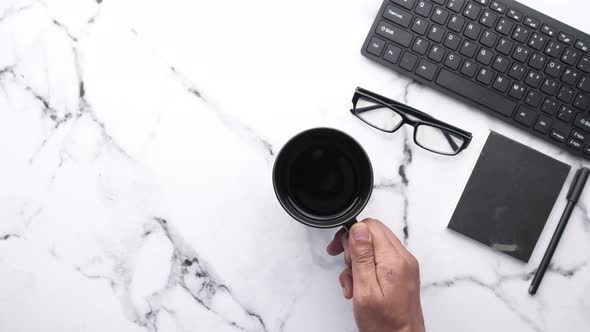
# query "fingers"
(384, 248)
(347, 283)
(395, 241)
(363, 261)
(347, 259)
(335, 247)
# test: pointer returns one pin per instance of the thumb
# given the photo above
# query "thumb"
(362, 256)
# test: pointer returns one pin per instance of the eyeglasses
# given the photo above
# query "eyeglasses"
(388, 115)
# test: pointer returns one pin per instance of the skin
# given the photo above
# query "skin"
(381, 277)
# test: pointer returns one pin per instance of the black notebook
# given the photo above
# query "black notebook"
(509, 197)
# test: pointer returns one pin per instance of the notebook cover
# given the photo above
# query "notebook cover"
(509, 197)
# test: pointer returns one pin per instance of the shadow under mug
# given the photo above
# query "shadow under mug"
(323, 178)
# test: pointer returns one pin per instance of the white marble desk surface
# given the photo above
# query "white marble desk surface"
(137, 140)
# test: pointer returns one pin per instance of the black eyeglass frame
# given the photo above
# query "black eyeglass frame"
(404, 110)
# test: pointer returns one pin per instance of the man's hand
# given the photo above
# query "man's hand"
(381, 277)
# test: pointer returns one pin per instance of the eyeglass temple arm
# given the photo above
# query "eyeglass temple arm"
(374, 107)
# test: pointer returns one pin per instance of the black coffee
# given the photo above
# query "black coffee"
(323, 181)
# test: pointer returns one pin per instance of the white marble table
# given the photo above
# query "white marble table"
(137, 141)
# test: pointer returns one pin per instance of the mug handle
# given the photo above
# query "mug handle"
(349, 225)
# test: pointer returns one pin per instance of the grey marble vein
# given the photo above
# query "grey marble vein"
(388, 185)
(227, 119)
(84, 106)
(13, 10)
(195, 277)
(8, 236)
(402, 170)
(494, 288)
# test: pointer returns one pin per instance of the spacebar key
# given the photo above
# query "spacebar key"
(478, 94)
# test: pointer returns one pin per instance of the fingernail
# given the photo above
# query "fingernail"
(360, 233)
(344, 292)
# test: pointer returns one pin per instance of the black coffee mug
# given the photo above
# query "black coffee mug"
(323, 178)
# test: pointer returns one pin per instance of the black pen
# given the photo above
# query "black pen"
(572, 199)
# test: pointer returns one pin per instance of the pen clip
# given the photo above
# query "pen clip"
(573, 185)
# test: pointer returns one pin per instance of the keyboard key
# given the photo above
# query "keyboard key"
(584, 84)
(566, 114)
(521, 53)
(584, 64)
(453, 61)
(452, 41)
(553, 68)
(489, 38)
(420, 26)
(582, 121)
(587, 150)
(392, 53)
(500, 8)
(504, 46)
(570, 77)
(537, 41)
(538, 61)
(485, 56)
(580, 136)
(517, 91)
(550, 106)
(468, 49)
(533, 79)
(488, 19)
(426, 69)
(440, 2)
(566, 94)
(398, 16)
(505, 26)
(558, 136)
(525, 116)
(501, 64)
(485, 76)
(517, 71)
(554, 49)
(436, 53)
(582, 46)
(456, 23)
(423, 8)
(574, 144)
(570, 56)
(531, 23)
(472, 31)
(472, 11)
(407, 4)
(582, 102)
(469, 68)
(543, 124)
(456, 5)
(549, 86)
(564, 38)
(440, 16)
(376, 46)
(408, 61)
(533, 99)
(420, 46)
(478, 94)
(394, 34)
(549, 31)
(521, 34)
(514, 14)
(501, 84)
(436, 34)
(483, 2)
